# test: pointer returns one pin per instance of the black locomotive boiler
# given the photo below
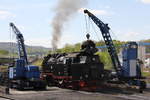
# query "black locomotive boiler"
(76, 69)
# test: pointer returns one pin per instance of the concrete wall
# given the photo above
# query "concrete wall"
(141, 53)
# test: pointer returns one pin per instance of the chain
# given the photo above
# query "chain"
(86, 25)
(92, 24)
(10, 45)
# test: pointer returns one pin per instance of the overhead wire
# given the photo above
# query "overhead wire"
(11, 48)
(92, 24)
(86, 27)
(10, 44)
(115, 37)
(89, 23)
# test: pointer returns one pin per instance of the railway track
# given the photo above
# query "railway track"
(5, 98)
(3, 95)
(2, 89)
(67, 94)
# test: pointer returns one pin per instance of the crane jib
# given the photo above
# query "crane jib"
(20, 42)
(108, 41)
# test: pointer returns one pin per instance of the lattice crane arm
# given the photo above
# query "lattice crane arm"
(108, 41)
(20, 41)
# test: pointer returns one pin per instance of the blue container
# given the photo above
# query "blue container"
(18, 71)
(32, 72)
(20, 68)
(130, 55)
(12, 73)
(22, 71)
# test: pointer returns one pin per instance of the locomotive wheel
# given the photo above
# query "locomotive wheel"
(140, 90)
(76, 88)
(143, 84)
(50, 81)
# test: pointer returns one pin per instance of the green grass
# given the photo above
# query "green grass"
(3, 68)
(146, 74)
(38, 62)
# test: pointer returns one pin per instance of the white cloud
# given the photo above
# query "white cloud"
(21, 27)
(6, 14)
(4, 7)
(130, 36)
(107, 7)
(32, 42)
(38, 42)
(46, 42)
(66, 39)
(7, 40)
(145, 1)
(95, 12)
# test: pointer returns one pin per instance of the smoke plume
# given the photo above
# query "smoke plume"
(63, 12)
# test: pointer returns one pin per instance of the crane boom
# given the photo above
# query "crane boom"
(108, 41)
(20, 41)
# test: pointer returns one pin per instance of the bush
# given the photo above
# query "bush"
(4, 52)
(105, 58)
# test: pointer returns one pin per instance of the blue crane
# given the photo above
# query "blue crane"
(21, 74)
(20, 41)
(130, 71)
(139, 44)
(108, 41)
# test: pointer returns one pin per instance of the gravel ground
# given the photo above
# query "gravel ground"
(54, 93)
(3, 99)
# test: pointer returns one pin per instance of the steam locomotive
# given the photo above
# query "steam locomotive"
(76, 69)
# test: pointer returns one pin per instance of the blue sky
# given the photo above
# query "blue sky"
(128, 19)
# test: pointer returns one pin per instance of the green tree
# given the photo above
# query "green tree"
(4, 52)
(105, 58)
(77, 47)
(100, 43)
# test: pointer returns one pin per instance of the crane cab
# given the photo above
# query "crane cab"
(17, 71)
(22, 71)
